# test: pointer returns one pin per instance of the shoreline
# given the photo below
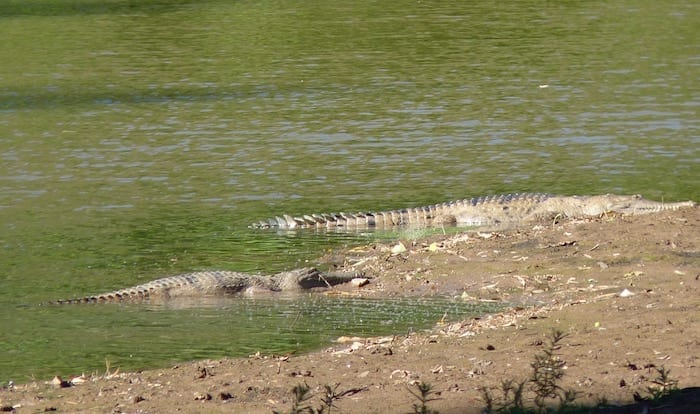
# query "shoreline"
(623, 289)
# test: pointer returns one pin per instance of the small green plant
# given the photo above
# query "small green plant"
(423, 395)
(663, 385)
(302, 395)
(547, 372)
(512, 395)
(510, 402)
(330, 397)
(487, 396)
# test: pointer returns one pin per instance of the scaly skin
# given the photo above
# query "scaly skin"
(219, 283)
(498, 211)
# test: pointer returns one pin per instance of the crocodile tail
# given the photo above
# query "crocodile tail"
(116, 296)
(324, 220)
(86, 299)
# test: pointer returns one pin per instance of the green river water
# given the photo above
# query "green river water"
(139, 138)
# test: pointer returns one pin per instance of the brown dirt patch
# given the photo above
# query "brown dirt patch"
(567, 276)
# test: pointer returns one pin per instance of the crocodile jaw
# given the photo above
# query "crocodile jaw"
(636, 204)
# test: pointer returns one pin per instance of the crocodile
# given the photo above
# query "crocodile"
(495, 211)
(220, 283)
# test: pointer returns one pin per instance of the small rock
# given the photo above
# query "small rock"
(202, 372)
(58, 382)
(398, 249)
(625, 294)
(200, 396)
(359, 282)
(437, 370)
(225, 396)
(344, 339)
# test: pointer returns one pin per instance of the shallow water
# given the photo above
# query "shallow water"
(138, 139)
(87, 337)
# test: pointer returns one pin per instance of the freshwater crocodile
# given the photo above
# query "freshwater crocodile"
(220, 283)
(496, 211)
